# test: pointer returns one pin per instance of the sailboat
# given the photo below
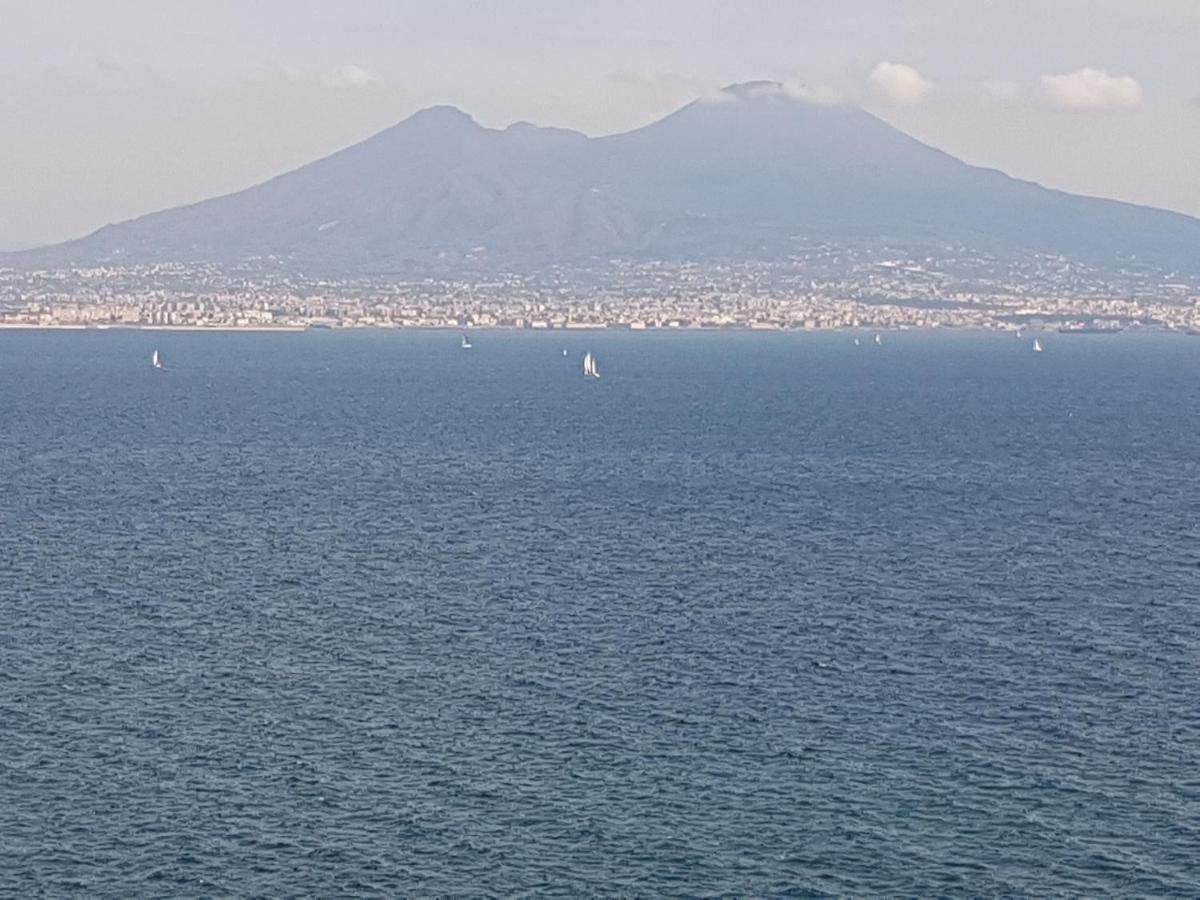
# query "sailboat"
(589, 366)
(856, 342)
(1037, 346)
(878, 340)
(156, 360)
(466, 343)
(564, 352)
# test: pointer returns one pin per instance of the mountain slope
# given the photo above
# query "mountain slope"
(741, 174)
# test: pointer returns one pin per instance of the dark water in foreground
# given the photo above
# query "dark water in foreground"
(352, 613)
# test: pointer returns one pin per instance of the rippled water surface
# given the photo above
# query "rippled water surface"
(332, 614)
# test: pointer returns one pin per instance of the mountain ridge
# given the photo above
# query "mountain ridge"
(744, 173)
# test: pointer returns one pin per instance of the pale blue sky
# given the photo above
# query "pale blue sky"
(112, 108)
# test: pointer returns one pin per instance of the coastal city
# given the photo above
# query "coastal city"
(827, 287)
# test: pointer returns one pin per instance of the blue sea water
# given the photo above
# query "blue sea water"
(362, 613)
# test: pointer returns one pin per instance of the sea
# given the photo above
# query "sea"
(361, 613)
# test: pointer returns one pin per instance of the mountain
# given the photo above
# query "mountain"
(741, 174)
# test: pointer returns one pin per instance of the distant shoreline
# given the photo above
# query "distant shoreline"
(619, 329)
(18, 326)
(590, 329)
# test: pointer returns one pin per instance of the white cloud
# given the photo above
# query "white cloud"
(899, 84)
(791, 90)
(821, 94)
(717, 95)
(347, 75)
(1091, 89)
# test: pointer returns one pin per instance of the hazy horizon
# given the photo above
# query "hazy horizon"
(121, 108)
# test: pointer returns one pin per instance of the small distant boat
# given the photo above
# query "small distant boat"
(1037, 346)
(564, 352)
(878, 340)
(466, 343)
(589, 366)
(156, 360)
(856, 342)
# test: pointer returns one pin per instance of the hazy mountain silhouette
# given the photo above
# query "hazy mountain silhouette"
(738, 174)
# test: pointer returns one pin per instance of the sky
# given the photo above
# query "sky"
(113, 108)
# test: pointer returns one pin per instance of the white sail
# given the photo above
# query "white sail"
(878, 339)
(1037, 346)
(589, 366)
(466, 342)
(155, 360)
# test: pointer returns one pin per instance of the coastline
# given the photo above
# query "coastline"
(619, 328)
(623, 328)
(21, 326)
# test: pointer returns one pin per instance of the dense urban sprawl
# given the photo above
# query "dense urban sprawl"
(827, 287)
